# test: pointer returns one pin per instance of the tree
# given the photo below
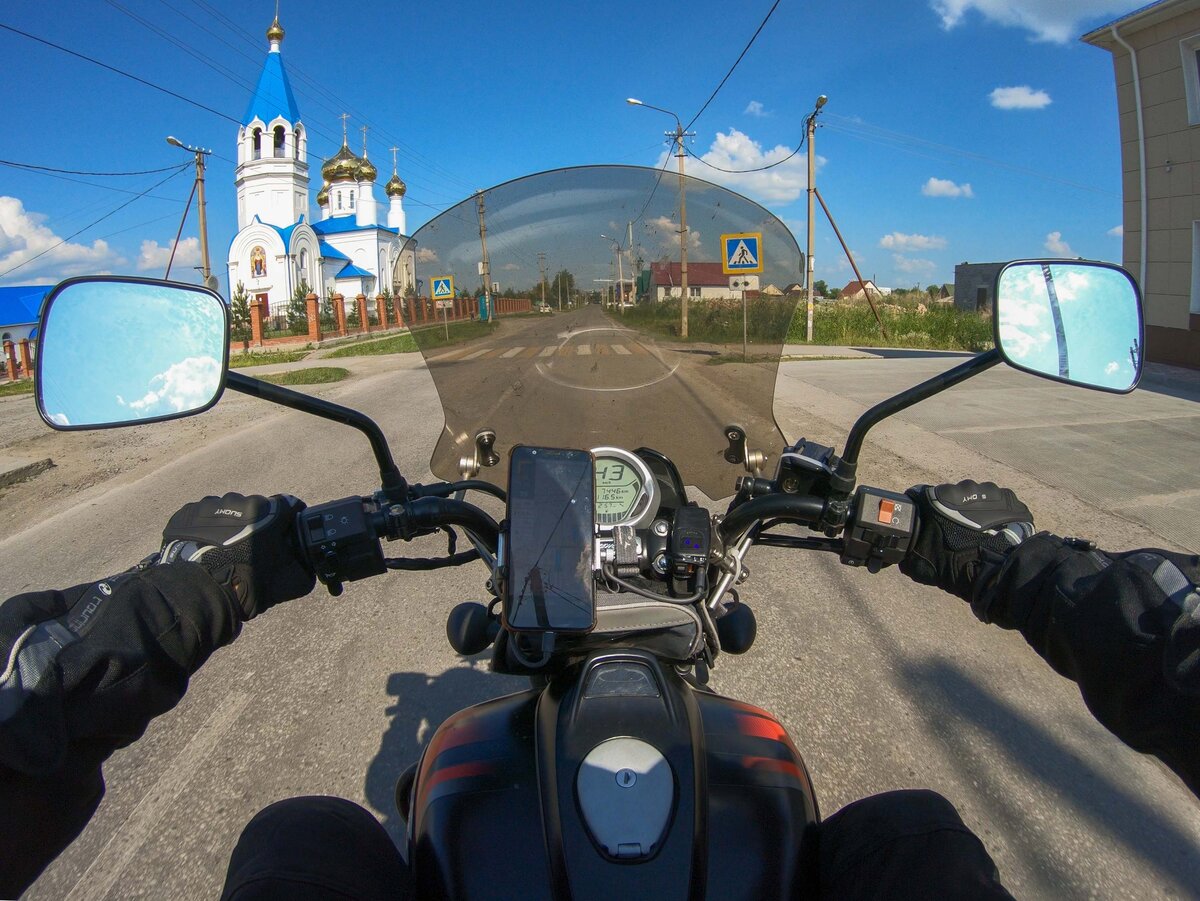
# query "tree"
(297, 311)
(933, 291)
(835, 293)
(239, 316)
(389, 303)
(820, 288)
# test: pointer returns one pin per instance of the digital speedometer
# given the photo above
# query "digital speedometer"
(626, 492)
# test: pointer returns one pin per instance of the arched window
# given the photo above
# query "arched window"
(258, 143)
(296, 146)
(339, 199)
(351, 200)
(303, 264)
(279, 133)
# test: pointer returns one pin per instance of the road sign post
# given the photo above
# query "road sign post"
(443, 295)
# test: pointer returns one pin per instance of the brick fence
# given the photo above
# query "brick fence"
(18, 360)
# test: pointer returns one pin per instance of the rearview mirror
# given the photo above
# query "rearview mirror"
(121, 351)
(1071, 321)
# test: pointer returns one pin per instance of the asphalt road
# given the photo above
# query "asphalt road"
(882, 683)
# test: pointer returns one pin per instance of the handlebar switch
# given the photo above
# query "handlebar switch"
(880, 529)
(340, 541)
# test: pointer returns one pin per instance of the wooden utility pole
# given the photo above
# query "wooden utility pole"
(486, 273)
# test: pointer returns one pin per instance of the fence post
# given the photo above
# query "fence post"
(381, 309)
(26, 358)
(313, 307)
(339, 312)
(256, 322)
(398, 309)
(10, 361)
(363, 322)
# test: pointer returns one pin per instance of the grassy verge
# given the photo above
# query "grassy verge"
(395, 344)
(853, 325)
(433, 336)
(317, 375)
(264, 357)
(8, 389)
(713, 321)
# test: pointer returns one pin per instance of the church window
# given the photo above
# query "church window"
(258, 143)
(303, 264)
(351, 200)
(339, 199)
(296, 145)
(279, 133)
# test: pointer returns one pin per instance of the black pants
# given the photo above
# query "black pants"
(903, 844)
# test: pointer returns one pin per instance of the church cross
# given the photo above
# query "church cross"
(344, 117)
(394, 150)
(364, 131)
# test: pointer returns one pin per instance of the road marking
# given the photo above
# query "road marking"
(513, 352)
(110, 863)
(585, 350)
(478, 353)
(622, 350)
(547, 351)
(447, 356)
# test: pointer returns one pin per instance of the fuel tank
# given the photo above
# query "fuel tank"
(618, 780)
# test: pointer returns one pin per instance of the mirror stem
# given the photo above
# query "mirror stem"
(844, 474)
(394, 485)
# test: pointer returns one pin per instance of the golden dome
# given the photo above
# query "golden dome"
(395, 186)
(341, 166)
(323, 195)
(366, 169)
(275, 32)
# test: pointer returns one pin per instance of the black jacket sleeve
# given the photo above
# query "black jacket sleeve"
(85, 670)
(1125, 627)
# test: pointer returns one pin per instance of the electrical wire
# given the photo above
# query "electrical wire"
(16, 165)
(717, 90)
(701, 159)
(76, 234)
(120, 72)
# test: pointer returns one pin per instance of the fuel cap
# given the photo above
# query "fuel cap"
(626, 792)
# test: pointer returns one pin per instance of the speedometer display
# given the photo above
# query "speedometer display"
(618, 489)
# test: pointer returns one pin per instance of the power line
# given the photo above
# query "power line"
(120, 72)
(717, 90)
(76, 234)
(743, 171)
(16, 165)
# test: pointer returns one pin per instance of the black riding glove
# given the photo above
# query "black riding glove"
(964, 532)
(248, 544)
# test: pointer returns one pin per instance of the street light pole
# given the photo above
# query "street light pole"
(678, 135)
(812, 192)
(200, 155)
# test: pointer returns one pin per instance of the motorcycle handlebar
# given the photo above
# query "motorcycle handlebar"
(806, 509)
(420, 515)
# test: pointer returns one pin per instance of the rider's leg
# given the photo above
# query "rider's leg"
(904, 844)
(317, 847)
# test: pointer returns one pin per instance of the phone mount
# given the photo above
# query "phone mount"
(739, 452)
(484, 454)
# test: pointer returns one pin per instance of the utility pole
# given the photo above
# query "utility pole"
(486, 274)
(542, 269)
(683, 236)
(209, 281)
(558, 281)
(812, 193)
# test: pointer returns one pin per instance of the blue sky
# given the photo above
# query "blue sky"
(955, 129)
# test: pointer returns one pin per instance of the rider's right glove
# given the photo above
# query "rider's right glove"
(964, 532)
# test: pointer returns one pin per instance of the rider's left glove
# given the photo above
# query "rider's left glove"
(248, 544)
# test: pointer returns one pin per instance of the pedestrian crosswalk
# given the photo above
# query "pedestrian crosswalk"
(539, 352)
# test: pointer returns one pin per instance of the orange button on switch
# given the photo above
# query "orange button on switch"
(887, 511)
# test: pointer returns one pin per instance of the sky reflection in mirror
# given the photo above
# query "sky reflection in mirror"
(1071, 321)
(122, 352)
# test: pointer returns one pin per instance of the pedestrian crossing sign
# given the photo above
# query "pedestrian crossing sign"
(741, 252)
(443, 287)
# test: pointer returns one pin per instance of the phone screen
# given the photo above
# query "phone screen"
(548, 551)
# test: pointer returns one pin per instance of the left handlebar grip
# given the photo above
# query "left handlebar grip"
(341, 541)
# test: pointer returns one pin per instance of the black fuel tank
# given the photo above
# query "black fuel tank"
(619, 780)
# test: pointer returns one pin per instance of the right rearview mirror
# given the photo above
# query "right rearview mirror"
(1071, 321)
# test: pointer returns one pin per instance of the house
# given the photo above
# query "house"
(20, 307)
(859, 290)
(974, 284)
(1157, 74)
(706, 281)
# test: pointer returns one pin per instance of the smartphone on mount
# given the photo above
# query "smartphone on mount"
(549, 547)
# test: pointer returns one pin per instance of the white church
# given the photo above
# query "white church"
(350, 248)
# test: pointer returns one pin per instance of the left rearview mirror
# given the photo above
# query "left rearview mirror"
(123, 351)
(1071, 321)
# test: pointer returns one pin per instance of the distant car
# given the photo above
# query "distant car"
(544, 308)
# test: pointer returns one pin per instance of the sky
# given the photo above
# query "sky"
(955, 130)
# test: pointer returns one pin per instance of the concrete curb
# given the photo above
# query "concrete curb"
(14, 469)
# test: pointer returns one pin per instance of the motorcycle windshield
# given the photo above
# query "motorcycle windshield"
(579, 340)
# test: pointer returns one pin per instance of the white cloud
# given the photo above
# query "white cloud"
(154, 255)
(510, 267)
(1057, 246)
(1058, 21)
(23, 235)
(944, 187)
(1111, 368)
(902, 242)
(1019, 97)
(913, 266)
(1117, 231)
(426, 255)
(667, 231)
(756, 109)
(738, 151)
(186, 385)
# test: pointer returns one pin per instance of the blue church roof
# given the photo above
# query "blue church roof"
(273, 96)
(22, 304)
(352, 271)
(331, 253)
(338, 224)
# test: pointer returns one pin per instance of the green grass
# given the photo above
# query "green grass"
(395, 344)
(433, 336)
(317, 375)
(8, 389)
(713, 321)
(262, 358)
(940, 328)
